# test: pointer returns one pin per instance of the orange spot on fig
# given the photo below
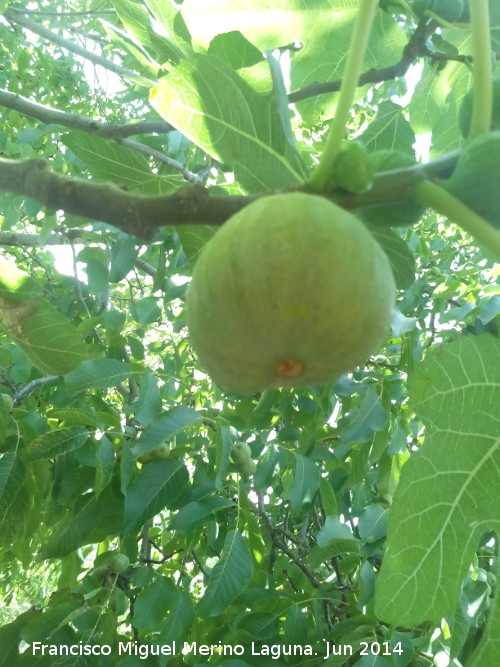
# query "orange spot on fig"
(291, 368)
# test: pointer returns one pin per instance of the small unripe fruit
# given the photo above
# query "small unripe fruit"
(161, 452)
(241, 452)
(292, 291)
(248, 468)
(118, 563)
(352, 170)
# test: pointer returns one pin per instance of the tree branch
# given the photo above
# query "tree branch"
(279, 544)
(134, 214)
(75, 121)
(140, 215)
(414, 49)
(15, 16)
(32, 240)
(31, 387)
(78, 122)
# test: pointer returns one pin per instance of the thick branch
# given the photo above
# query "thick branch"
(135, 214)
(191, 205)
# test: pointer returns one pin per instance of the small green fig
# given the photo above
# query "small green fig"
(291, 291)
(241, 452)
(118, 563)
(352, 170)
(161, 452)
(248, 468)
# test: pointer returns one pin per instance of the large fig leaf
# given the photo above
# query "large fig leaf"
(449, 491)
(324, 27)
(213, 106)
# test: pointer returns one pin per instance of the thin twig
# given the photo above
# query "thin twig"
(413, 50)
(15, 16)
(75, 121)
(31, 387)
(105, 130)
(279, 544)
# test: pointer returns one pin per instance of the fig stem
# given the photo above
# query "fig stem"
(482, 95)
(353, 69)
(434, 196)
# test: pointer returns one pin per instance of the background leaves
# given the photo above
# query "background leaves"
(243, 132)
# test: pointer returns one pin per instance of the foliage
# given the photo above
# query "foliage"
(146, 511)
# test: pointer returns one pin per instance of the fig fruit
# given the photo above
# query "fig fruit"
(242, 458)
(248, 468)
(241, 453)
(475, 179)
(118, 563)
(465, 111)
(160, 452)
(352, 170)
(291, 291)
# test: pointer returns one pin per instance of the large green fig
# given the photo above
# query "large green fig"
(465, 112)
(476, 178)
(291, 291)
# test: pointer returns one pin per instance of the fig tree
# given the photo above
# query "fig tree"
(291, 291)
